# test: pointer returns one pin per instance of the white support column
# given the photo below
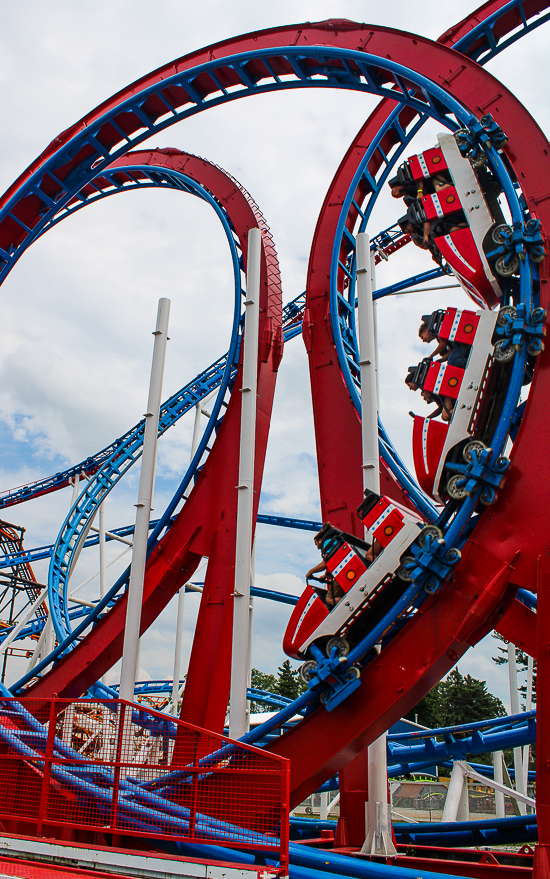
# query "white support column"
(323, 808)
(514, 709)
(456, 804)
(367, 363)
(76, 489)
(250, 634)
(245, 488)
(528, 707)
(144, 505)
(177, 652)
(102, 551)
(500, 810)
(377, 810)
(102, 558)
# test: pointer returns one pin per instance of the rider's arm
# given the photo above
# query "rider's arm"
(316, 570)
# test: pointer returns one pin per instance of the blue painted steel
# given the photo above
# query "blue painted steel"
(490, 45)
(493, 831)
(136, 806)
(496, 831)
(461, 729)
(528, 598)
(327, 75)
(402, 286)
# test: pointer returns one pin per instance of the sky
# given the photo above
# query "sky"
(77, 311)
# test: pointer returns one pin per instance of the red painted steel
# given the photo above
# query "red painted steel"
(489, 864)
(504, 545)
(519, 625)
(206, 525)
(119, 758)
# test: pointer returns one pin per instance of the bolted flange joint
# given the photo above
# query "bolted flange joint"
(516, 326)
(479, 134)
(480, 472)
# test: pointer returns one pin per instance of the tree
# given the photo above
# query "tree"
(466, 699)
(289, 683)
(261, 680)
(457, 700)
(427, 712)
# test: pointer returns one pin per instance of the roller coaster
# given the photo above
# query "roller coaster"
(80, 765)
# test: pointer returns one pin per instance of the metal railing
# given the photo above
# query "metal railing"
(106, 767)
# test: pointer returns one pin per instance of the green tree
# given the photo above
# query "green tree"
(261, 680)
(466, 699)
(289, 682)
(428, 711)
(456, 700)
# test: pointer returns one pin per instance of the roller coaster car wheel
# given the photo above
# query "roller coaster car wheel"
(324, 697)
(534, 348)
(431, 585)
(340, 643)
(506, 266)
(507, 310)
(453, 555)
(504, 351)
(306, 670)
(488, 496)
(455, 491)
(538, 315)
(403, 572)
(500, 234)
(429, 535)
(479, 160)
(462, 136)
(352, 673)
(473, 446)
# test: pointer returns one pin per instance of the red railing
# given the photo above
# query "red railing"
(70, 767)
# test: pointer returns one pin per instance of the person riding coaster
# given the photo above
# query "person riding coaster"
(364, 572)
(478, 389)
(456, 216)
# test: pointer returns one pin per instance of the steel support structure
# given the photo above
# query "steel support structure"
(130, 651)
(245, 489)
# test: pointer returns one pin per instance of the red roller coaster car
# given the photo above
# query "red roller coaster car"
(434, 443)
(463, 199)
(365, 583)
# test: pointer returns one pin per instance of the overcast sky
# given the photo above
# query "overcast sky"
(78, 310)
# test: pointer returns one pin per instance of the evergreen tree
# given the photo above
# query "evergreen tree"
(289, 682)
(428, 711)
(466, 699)
(456, 700)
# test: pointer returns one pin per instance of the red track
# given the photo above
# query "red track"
(505, 546)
